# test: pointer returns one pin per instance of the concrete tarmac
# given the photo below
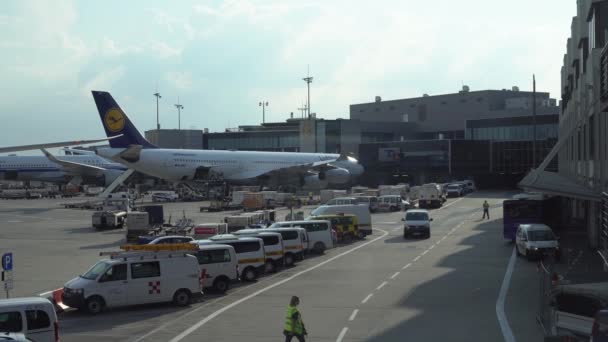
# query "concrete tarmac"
(384, 288)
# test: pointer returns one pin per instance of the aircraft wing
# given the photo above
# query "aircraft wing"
(72, 167)
(52, 145)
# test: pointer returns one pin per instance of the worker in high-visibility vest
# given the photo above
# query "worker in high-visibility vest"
(294, 327)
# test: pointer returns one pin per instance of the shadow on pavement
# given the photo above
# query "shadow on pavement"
(458, 305)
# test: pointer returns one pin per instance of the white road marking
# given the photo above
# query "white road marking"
(342, 333)
(507, 333)
(456, 201)
(432, 246)
(14, 221)
(353, 315)
(396, 229)
(395, 275)
(423, 253)
(406, 266)
(367, 298)
(417, 258)
(381, 285)
(438, 242)
(213, 315)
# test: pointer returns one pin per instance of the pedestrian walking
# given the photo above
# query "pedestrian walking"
(294, 326)
(486, 210)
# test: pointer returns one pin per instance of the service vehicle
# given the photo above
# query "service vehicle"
(112, 213)
(34, 317)
(390, 203)
(295, 242)
(454, 190)
(364, 217)
(169, 239)
(416, 222)
(370, 201)
(535, 241)
(342, 201)
(273, 247)
(170, 196)
(469, 185)
(219, 266)
(430, 196)
(599, 330)
(140, 274)
(575, 308)
(249, 251)
(319, 233)
(206, 230)
(345, 225)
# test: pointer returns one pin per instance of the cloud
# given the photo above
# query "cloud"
(179, 80)
(163, 50)
(104, 80)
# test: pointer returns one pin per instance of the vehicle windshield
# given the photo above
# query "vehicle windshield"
(96, 270)
(416, 217)
(541, 235)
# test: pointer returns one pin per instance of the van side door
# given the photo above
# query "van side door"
(113, 285)
(145, 283)
(40, 326)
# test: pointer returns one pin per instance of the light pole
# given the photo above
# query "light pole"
(157, 94)
(534, 121)
(263, 105)
(179, 114)
(308, 81)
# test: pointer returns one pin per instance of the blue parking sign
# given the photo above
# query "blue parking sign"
(7, 261)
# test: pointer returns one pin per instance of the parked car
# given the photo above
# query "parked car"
(33, 317)
(416, 222)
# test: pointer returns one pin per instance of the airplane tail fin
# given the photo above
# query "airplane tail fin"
(115, 122)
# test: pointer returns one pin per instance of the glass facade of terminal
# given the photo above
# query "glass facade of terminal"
(267, 141)
(526, 132)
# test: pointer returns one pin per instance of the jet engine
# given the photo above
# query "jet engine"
(337, 176)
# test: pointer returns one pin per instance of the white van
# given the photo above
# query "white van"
(273, 247)
(319, 233)
(33, 317)
(535, 240)
(342, 201)
(249, 252)
(364, 218)
(131, 278)
(295, 242)
(219, 266)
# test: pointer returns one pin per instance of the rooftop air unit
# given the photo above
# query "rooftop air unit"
(378, 99)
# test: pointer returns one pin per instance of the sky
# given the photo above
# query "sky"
(221, 58)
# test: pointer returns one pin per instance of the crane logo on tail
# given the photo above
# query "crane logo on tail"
(114, 120)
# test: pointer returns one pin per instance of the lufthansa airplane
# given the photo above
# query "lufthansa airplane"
(89, 169)
(128, 147)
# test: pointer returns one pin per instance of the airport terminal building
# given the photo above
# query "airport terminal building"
(486, 135)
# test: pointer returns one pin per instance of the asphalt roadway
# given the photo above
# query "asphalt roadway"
(384, 288)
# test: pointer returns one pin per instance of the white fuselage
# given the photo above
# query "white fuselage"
(40, 168)
(234, 166)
